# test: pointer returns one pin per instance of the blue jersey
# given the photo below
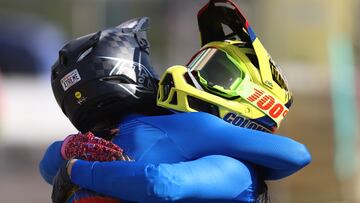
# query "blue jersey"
(188, 155)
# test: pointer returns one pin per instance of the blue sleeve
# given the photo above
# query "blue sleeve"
(201, 134)
(51, 162)
(214, 177)
(210, 177)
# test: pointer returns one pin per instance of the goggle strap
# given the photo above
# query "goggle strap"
(193, 79)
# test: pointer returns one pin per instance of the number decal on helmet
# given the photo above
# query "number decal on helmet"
(268, 104)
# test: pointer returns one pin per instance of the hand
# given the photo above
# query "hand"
(62, 186)
(91, 148)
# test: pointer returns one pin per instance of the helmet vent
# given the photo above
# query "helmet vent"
(254, 60)
(167, 83)
(174, 99)
(202, 106)
(84, 54)
(117, 79)
(188, 79)
(62, 58)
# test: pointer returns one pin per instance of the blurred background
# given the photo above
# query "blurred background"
(315, 42)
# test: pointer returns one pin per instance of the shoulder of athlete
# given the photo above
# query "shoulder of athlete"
(162, 124)
(157, 127)
(182, 119)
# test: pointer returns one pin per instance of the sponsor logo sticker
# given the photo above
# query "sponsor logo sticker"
(77, 95)
(241, 121)
(70, 79)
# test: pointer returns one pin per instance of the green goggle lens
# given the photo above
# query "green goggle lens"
(218, 72)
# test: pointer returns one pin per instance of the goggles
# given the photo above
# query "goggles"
(218, 72)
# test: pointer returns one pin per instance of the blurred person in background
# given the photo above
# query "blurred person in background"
(27, 44)
(1, 102)
(269, 173)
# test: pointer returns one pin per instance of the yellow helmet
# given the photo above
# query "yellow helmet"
(234, 80)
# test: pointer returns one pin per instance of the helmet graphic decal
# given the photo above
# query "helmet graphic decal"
(136, 77)
(277, 74)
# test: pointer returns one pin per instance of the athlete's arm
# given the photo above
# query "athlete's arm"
(51, 162)
(201, 134)
(211, 177)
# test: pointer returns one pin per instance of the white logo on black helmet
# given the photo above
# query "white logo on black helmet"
(134, 71)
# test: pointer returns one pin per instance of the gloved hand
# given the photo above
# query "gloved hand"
(62, 186)
(86, 147)
(91, 148)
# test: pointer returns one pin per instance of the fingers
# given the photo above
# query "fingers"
(89, 147)
(106, 143)
(91, 138)
(97, 152)
(93, 151)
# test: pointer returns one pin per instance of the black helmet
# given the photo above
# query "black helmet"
(100, 77)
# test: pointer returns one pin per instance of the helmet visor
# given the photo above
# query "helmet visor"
(217, 71)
